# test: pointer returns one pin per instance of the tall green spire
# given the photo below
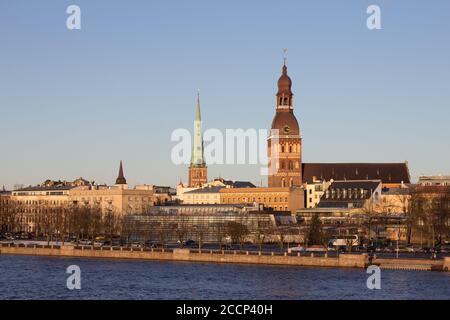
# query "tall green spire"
(197, 159)
(198, 117)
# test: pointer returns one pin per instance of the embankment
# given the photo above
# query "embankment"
(217, 256)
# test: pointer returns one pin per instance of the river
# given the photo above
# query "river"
(31, 277)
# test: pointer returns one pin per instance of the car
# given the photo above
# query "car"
(226, 247)
(190, 243)
(98, 243)
(136, 245)
(85, 242)
(149, 244)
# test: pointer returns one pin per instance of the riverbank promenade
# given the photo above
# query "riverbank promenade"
(226, 256)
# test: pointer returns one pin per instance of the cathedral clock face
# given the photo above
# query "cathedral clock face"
(286, 129)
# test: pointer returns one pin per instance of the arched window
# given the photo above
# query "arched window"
(282, 148)
(291, 166)
(290, 149)
(291, 182)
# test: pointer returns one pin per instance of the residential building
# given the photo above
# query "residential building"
(275, 198)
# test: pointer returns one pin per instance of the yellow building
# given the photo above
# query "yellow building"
(29, 202)
(121, 200)
(277, 198)
(207, 195)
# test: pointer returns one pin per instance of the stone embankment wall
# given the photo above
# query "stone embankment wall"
(266, 258)
(346, 260)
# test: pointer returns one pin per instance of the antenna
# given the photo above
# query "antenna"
(285, 55)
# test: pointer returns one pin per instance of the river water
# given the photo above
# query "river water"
(29, 277)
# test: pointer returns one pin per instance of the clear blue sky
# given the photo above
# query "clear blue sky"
(73, 103)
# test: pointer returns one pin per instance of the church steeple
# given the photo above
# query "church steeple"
(120, 178)
(284, 142)
(197, 170)
(197, 146)
(284, 94)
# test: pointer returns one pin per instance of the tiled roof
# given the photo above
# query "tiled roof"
(386, 172)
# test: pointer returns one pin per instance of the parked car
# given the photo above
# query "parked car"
(136, 245)
(98, 243)
(85, 242)
(149, 244)
(190, 243)
(226, 247)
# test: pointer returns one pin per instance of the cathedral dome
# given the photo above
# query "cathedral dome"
(286, 123)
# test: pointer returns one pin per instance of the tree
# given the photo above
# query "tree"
(430, 213)
(220, 230)
(181, 230)
(238, 232)
(315, 234)
(262, 230)
(111, 223)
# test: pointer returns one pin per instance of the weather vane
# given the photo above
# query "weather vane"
(285, 54)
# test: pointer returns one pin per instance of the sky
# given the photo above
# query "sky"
(75, 102)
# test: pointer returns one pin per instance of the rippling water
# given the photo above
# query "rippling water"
(28, 277)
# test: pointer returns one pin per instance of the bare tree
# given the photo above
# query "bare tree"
(238, 232)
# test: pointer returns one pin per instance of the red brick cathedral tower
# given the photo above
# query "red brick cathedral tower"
(284, 142)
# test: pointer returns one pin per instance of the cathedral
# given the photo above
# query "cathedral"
(291, 183)
(285, 153)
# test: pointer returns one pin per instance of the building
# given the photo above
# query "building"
(198, 172)
(193, 209)
(220, 182)
(392, 175)
(221, 223)
(434, 181)
(395, 201)
(118, 198)
(5, 198)
(430, 214)
(275, 198)
(186, 195)
(207, 195)
(358, 194)
(30, 202)
(33, 201)
(314, 192)
(284, 142)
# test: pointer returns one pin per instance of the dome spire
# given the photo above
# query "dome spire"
(284, 94)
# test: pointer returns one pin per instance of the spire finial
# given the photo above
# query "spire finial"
(285, 56)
